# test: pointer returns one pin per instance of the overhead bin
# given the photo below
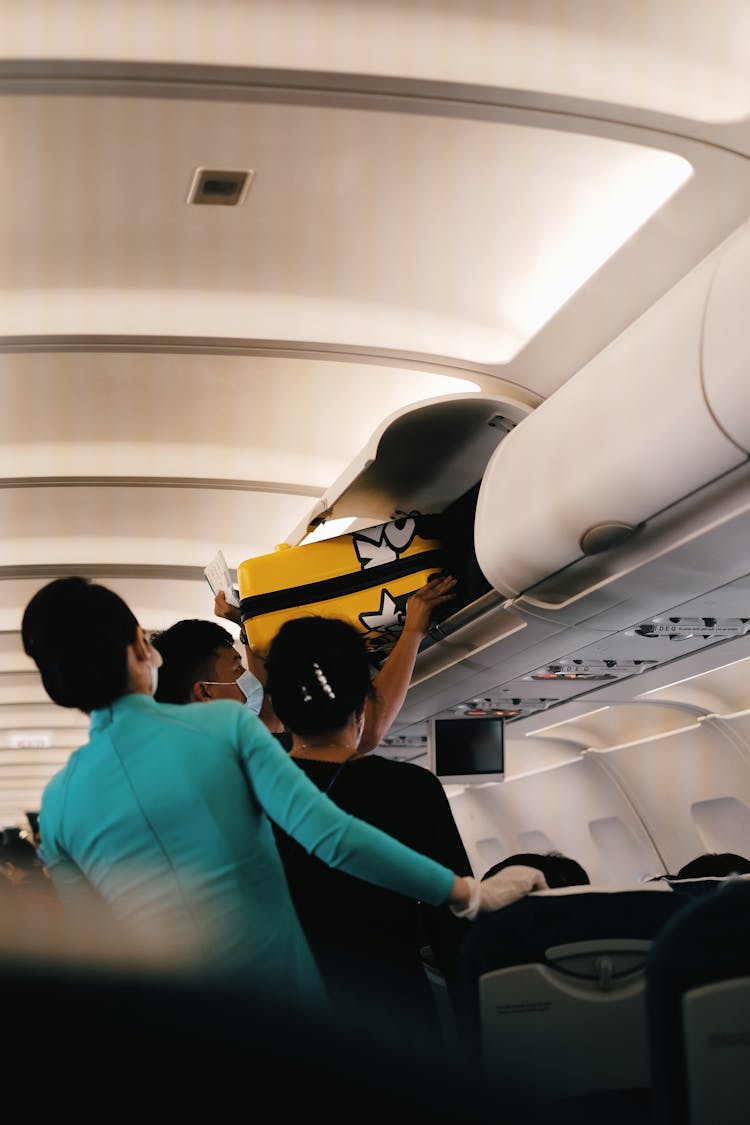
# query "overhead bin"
(421, 458)
(609, 472)
(726, 371)
(607, 503)
(430, 458)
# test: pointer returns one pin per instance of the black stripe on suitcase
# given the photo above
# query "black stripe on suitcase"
(339, 586)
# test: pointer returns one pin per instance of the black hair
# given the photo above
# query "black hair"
(558, 869)
(77, 634)
(20, 852)
(318, 672)
(188, 650)
(714, 864)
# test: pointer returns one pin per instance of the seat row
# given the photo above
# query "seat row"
(588, 991)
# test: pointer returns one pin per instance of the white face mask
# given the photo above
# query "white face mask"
(249, 685)
(156, 663)
(252, 689)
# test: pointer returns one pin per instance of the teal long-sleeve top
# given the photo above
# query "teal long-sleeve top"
(165, 813)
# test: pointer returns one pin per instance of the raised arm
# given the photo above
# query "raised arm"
(392, 681)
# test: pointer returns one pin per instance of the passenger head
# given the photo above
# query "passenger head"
(78, 634)
(714, 864)
(318, 671)
(18, 859)
(559, 870)
(200, 663)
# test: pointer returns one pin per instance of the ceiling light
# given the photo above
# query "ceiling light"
(329, 529)
(629, 183)
(29, 739)
(566, 722)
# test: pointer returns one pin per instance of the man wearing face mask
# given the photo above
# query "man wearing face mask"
(200, 663)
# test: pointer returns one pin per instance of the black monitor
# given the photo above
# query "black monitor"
(464, 750)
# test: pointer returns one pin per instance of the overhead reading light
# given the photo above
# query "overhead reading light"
(681, 628)
(491, 712)
(484, 708)
(552, 675)
(220, 188)
(591, 670)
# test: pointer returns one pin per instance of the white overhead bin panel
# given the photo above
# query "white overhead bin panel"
(641, 452)
(421, 458)
(428, 458)
(726, 368)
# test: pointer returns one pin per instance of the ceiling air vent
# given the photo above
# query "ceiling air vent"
(220, 188)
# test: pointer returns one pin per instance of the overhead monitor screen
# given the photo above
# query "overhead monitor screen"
(464, 750)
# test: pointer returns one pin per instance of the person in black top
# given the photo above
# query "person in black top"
(367, 941)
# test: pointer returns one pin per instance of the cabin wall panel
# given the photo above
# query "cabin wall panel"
(555, 809)
(736, 728)
(670, 777)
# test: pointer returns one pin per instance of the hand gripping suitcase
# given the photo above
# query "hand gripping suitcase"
(364, 577)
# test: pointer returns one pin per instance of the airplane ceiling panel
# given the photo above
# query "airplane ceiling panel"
(134, 525)
(663, 56)
(179, 409)
(295, 260)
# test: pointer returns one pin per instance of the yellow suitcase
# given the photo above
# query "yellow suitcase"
(364, 577)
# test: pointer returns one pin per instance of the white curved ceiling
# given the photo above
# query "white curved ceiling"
(447, 196)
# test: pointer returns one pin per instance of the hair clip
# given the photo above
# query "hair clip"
(306, 697)
(323, 682)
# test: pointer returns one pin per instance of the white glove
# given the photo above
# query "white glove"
(500, 890)
(509, 885)
(471, 909)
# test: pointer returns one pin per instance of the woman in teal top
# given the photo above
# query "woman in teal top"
(164, 812)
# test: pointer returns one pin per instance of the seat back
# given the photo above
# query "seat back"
(699, 1040)
(716, 1030)
(575, 1024)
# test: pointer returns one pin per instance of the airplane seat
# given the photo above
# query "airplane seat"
(573, 1045)
(697, 993)
(716, 1030)
(698, 888)
(521, 933)
(442, 998)
(573, 1025)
